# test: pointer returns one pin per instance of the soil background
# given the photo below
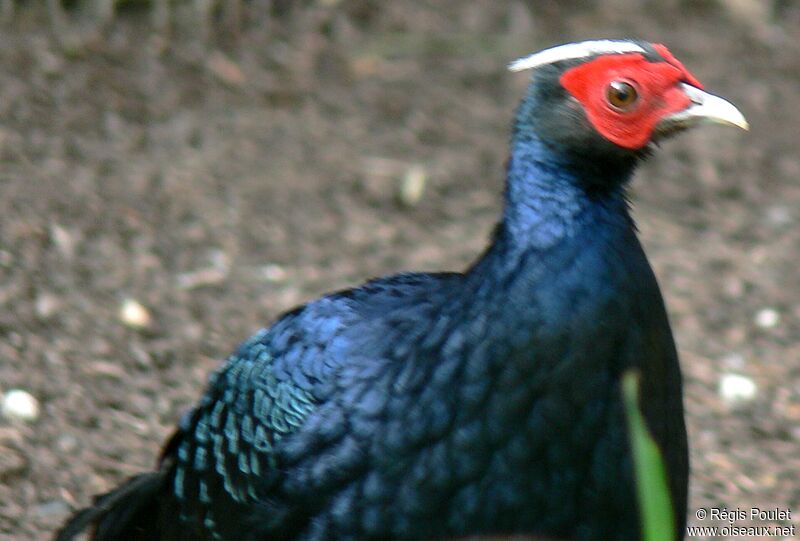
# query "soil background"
(219, 168)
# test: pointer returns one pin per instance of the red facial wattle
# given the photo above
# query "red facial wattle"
(657, 85)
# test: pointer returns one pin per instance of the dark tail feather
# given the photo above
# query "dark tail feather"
(127, 513)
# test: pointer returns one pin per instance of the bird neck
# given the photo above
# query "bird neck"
(551, 202)
(551, 195)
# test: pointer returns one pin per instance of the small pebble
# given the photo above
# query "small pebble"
(273, 273)
(51, 512)
(225, 69)
(767, 318)
(47, 305)
(64, 240)
(201, 278)
(735, 389)
(19, 404)
(53, 507)
(413, 185)
(134, 315)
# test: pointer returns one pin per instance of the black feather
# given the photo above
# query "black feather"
(124, 514)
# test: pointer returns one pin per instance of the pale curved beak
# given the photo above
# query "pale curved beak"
(705, 108)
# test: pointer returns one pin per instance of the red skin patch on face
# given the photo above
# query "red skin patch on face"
(664, 52)
(657, 84)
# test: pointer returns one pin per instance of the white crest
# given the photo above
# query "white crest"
(569, 51)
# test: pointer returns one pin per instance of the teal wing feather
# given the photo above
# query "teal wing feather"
(224, 456)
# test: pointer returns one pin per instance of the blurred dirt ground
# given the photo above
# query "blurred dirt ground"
(219, 180)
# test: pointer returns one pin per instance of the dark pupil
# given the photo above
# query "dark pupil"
(621, 94)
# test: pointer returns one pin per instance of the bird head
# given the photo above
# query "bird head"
(612, 99)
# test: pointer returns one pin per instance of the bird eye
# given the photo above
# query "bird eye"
(621, 95)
